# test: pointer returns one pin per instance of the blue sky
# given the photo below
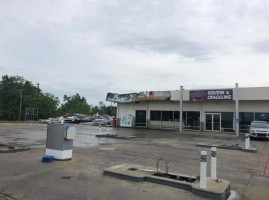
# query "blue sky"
(96, 46)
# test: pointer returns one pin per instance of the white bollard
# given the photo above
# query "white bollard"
(203, 169)
(62, 120)
(214, 163)
(247, 141)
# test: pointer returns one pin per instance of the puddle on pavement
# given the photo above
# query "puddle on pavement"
(86, 136)
(37, 138)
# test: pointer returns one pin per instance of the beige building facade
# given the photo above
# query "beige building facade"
(203, 110)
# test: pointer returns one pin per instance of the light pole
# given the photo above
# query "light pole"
(20, 105)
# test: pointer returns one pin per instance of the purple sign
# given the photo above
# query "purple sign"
(211, 95)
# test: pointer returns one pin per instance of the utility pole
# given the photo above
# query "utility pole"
(20, 105)
(37, 95)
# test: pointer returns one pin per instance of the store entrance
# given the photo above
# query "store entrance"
(140, 118)
(213, 122)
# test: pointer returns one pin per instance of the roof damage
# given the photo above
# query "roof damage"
(142, 96)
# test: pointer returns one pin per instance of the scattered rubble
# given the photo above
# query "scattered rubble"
(230, 147)
(115, 136)
(12, 149)
(77, 118)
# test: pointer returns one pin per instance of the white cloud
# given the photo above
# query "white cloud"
(94, 47)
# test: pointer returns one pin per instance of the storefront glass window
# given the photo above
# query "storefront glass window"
(245, 119)
(170, 119)
(227, 121)
(176, 116)
(192, 120)
(167, 116)
(262, 117)
(155, 115)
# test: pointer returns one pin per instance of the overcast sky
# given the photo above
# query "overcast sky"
(92, 47)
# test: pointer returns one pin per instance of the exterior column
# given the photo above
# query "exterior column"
(181, 110)
(237, 110)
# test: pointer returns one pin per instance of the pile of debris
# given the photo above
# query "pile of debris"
(77, 118)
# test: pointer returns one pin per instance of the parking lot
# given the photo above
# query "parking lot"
(24, 176)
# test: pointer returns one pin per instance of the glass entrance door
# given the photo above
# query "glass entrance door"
(140, 118)
(212, 122)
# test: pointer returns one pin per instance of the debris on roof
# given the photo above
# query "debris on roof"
(142, 96)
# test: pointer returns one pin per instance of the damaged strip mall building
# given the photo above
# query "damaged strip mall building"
(204, 110)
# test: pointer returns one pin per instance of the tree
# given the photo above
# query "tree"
(11, 88)
(111, 110)
(48, 105)
(75, 104)
(102, 109)
(10, 96)
(10, 93)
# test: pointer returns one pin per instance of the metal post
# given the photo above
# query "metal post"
(181, 110)
(247, 145)
(203, 170)
(236, 110)
(214, 163)
(37, 99)
(20, 106)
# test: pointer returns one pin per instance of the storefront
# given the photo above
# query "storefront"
(170, 119)
(203, 110)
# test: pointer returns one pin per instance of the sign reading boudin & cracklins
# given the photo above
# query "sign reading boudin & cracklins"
(208, 95)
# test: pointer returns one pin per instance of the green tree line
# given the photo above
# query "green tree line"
(15, 89)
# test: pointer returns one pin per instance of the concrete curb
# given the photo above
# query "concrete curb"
(239, 148)
(219, 190)
(171, 183)
(125, 176)
(212, 195)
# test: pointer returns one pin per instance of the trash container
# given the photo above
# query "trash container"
(114, 122)
(60, 141)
